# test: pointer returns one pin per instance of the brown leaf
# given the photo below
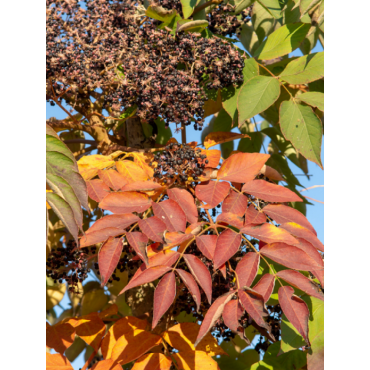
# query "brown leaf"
(191, 285)
(57, 362)
(252, 216)
(200, 273)
(270, 192)
(295, 309)
(110, 311)
(108, 258)
(164, 295)
(97, 190)
(242, 167)
(113, 179)
(212, 192)
(235, 203)
(171, 214)
(247, 268)
(269, 233)
(138, 241)
(126, 202)
(213, 314)
(227, 245)
(265, 286)
(153, 228)
(300, 281)
(282, 214)
(220, 137)
(289, 256)
(152, 361)
(207, 245)
(232, 219)
(186, 202)
(60, 336)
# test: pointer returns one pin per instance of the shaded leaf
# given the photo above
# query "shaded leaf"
(57, 362)
(153, 228)
(207, 245)
(215, 138)
(290, 338)
(126, 202)
(138, 241)
(108, 258)
(200, 273)
(231, 314)
(252, 216)
(265, 286)
(188, 7)
(227, 245)
(152, 361)
(186, 201)
(236, 203)
(93, 301)
(295, 309)
(60, 336)
(212, 192)
(247, 268)
(270, 192)
(97, 189)
(191, 285)
(171, 214)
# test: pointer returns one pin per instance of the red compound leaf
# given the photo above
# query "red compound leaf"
(153, 228)
(265, 286)
(97, 189)
(139, 242)
(227, 245)
(252, 216)
(212, 192)
(269, 233)
(171, 214)
(247, 268)
(191, 285)
(207, 245)
(108, 258)
(235, 203)
(186, 202)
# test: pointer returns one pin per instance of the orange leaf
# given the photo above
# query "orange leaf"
(121, 221)
(142, 186)
(99, 236)
(110, 311)
(153, 361)
(113, 179)
(119, 328)
(212, 192)
(195, 360)
(106, 365)
(271, 173)
(126, 202)
(186, 202)
(90, 165)
(131, 171)
(220, 137)
(134, 344)
(235, 203)
(108, 258)
(97, 190)
(60, 336)
(230, 219)
(213, 157)
(183, 336)
(242, 167)
(57, 362)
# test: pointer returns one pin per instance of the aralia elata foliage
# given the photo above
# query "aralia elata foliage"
(196, 250)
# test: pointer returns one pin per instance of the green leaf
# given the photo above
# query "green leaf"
(222, 122)
(291, 360)
(241, 5)
(252, 145)
(304, 69)
(56, 145)
(263, 21)
(272, 6)
(160, 13)
(310, 41)
(257, 95)
(201, 15)
(188, 7)
(164, 134)
(93, 301)
(290, 338)
(306, 5)
(315, 99)
(249, 38)
(127, 113)
(75, 349)
(301, 126)
(317, 85)
(292, 13)
(226, 149)
(283, 41)
(230, 94)
(64, 211)
(191, 26)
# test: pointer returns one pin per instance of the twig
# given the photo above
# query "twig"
(315, 200)
(312, 187)
(183, 134)
(79, 141)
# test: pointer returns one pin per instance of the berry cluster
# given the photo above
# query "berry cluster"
(105, 47)
(69, 264)
(179, 163)
(223, 21)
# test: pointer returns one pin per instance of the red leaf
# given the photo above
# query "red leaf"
(60, 336)
(319, 274)
(176, 238)
(141, 186)
(271, 173)
(242, 167)
(213, 314)
(247, 268)
(126, 202)
(223, 270)
(230, 219)
(191, 285)
(164, 295)
(255, 306)
(212, 192)
(302, 232)
(269, 233)
(147, 276)
(295, 309)
(186, 202)
(270, 192)
(300, 281)
(57, 362)
(113, 179)
(232, 313)
(153, 228)
(282, 214)
(265, 286)
(252, 216)
(207, 245)
(108, 257)
(227, 245)
(97, 190)
(200, 273)
(120, 221)
(138, 241)
(235, 203)
(99, 236)
(171, 214)
(290, 256)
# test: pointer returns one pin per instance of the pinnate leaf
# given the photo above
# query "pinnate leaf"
(242, 167)
(213, 157)
(212, 192)
(231, 314)
(220, 137)
(270, 192)
(113, 179)
(119, 220)
(164, 295)
(230, 219)
(153, 228)
(186, 201)
(227, 245)
(60, 336)
(108, 258)
(195, 360)
(131, 171)
(138, 241)
(153, 361)
(252, 216)
(235, 203)
(191, 285)
(142, 186)
(247, 268)
(254, 304)
(97, 190)
(99, 236)
(207, 245)
(295, 309)
(126, 202)
(200, 273)
(313, 98)
(171, 214)
(269, 233)
(265, 286)
(57, 362)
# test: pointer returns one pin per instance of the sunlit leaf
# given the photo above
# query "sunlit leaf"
(152, 361)
(106, 365)
(212, 192)
(57, 362)
(254, 304)
(231, 314)
(126, 202)
(97, 189)
(108, 258)
(227, 245)
(230, 219)
(265, 286)
(235, 203)
(315, 99)
(207, 245)
(138, 241)
(171, 214)
(215, 138)
(195, 360)
(153, 228)
(247, 268)
(60, 336)
(252, 216)
(131, 171)
(186, 201)
(113, 179)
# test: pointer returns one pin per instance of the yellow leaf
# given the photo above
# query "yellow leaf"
(220, 137)
(194, 360)
(90, 165)
(153, 361)
(131, 171)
